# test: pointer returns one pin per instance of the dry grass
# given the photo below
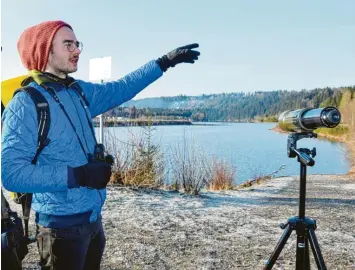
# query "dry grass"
(222, 175)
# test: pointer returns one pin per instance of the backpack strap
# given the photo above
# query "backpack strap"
(2, 108)
(43, 117)
(80, 92)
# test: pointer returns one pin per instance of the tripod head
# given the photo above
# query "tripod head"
(304, 154)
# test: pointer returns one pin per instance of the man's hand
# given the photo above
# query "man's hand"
(92, 175)
(183, 54)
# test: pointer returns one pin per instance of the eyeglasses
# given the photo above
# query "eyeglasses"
(71, 45)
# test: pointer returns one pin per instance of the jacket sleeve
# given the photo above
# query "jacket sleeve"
(104, 97)
(19, 145)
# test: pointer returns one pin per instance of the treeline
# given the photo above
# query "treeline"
(133, 112)
(257, 106)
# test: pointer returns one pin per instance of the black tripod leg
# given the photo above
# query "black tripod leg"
(301, 253)
(306, 259)
(270, 263)
(316, 250)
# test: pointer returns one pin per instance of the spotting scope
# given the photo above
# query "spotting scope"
(305, 120)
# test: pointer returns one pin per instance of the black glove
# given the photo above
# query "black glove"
(182, 54)
(92, 175)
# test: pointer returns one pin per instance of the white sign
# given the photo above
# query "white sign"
(100, 68)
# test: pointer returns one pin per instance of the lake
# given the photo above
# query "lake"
(252, 148)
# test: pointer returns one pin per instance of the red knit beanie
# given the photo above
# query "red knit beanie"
(35, 44)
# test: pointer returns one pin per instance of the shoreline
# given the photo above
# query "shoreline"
(143, 122)
(342, 138)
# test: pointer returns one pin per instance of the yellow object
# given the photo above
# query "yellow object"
(8, 88)
(12, 195)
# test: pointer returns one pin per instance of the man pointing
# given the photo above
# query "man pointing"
(68, 185)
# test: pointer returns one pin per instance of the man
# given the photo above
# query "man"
(69, 186)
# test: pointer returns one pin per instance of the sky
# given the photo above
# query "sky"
(245, 46)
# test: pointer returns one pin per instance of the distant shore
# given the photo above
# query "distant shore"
(143, 122)
(159, 122)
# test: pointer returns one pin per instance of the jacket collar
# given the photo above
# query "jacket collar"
(44, 77)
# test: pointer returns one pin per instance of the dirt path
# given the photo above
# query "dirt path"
(224, 230)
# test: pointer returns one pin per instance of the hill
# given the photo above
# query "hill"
(232, 106)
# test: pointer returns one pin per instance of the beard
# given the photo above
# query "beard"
(62, 66)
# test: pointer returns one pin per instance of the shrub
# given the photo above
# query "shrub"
(222, 175)
(139, 161)
(191, 171)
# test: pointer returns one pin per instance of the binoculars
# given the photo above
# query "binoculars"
(99, 155)
(306, 120)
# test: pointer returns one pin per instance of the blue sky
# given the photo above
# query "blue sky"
(245, 46)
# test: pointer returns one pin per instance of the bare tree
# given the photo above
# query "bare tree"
(190, 168)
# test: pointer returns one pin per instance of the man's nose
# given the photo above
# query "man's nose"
(77, 51)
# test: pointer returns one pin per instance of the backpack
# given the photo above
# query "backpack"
(14, 238)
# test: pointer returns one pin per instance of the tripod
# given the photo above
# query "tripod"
(303, 225)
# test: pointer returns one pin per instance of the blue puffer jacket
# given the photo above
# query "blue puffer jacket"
(55, 204)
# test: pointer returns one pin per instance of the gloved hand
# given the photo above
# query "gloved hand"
(183, 54)
(92, 175)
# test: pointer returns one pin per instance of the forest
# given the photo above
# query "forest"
(232, 107)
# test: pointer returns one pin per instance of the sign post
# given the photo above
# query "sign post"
(100, 70)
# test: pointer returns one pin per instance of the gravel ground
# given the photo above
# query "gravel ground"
(153, 229)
